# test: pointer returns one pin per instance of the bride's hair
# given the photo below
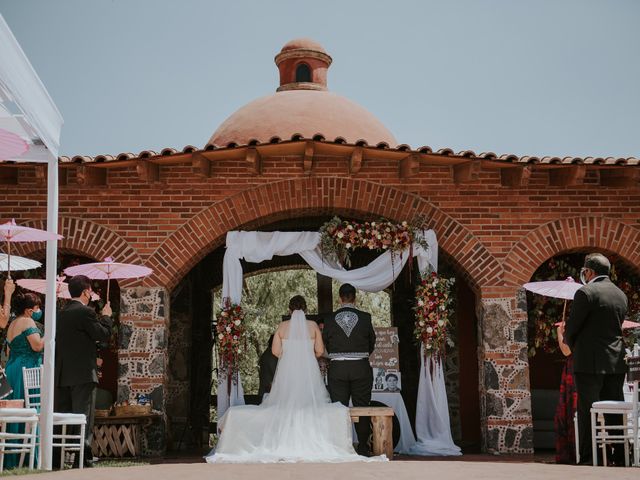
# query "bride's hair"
(298, 303)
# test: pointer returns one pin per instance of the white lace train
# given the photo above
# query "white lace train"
(297, 421)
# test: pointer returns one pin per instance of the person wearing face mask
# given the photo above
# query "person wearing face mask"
(25, 345)
(593, 332)
(76, 377)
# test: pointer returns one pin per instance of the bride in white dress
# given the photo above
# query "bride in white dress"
(297, 421)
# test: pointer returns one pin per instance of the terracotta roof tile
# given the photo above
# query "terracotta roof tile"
(319, 137)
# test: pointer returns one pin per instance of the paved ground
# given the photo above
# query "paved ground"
(512, 469)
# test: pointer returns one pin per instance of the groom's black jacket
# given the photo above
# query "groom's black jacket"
(342, 336)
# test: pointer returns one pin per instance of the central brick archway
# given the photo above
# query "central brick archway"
(313, 196)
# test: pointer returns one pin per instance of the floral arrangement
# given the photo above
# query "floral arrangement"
(230, 331)
(433, 313)
(339, 237)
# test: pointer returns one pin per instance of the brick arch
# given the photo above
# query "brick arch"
(568, 234)
(265, 204)
(86, 238)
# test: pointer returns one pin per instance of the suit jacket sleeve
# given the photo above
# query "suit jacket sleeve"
(577, 317)
(98, 328)
(372, 337)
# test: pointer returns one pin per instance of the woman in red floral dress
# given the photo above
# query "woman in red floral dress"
(566, 409)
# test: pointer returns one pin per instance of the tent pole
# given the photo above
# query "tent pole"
(46, 414)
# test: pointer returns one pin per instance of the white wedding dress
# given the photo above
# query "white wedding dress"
(297, 421)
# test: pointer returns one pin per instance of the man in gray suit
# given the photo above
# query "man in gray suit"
(594, 334)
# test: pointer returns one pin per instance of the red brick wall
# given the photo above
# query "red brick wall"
(497, 234)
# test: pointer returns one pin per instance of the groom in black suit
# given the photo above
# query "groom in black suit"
(594, 334)
(349, 339)
(76, 375)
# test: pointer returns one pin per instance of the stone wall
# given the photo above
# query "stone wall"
(142, 356)
(179, 369)
(504, 387)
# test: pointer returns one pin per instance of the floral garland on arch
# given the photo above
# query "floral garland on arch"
(433, 295)
(338, 238)
(433, 314)
(230, 332)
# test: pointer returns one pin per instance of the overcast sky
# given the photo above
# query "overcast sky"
(543, 77)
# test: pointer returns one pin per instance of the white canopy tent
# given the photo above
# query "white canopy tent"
(27, 110)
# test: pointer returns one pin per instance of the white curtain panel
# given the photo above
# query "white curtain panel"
(226, 400)
(433, 431)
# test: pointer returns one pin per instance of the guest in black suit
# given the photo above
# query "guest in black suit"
(267, 365)
(593, 332)
(76, 377)
(349, 339)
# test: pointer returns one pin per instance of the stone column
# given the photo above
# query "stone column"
(505, 397)
(142, 356)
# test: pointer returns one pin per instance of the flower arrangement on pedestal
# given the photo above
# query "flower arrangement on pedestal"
(230, 332)
(340, 237)
(433, 313)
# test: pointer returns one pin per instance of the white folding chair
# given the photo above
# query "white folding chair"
(22, 443)
(66, 442)
(603, 434)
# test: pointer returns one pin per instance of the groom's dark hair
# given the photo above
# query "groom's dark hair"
(347, 292)
(298, 303)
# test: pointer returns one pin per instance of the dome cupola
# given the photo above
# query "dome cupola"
(303, 65)
(302, 106)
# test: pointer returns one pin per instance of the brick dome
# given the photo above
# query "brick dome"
(302, 106)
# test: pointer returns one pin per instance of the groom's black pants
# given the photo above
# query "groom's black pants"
(353, 379)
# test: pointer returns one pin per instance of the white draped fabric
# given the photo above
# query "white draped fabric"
(432, 413)
(258, 247)
(226, 399)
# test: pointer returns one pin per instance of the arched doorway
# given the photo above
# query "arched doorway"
(190, 340)
(546, 362)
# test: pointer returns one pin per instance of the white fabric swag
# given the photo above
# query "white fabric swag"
(258, 247)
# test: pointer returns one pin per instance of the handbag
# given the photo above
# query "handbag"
(5, 386)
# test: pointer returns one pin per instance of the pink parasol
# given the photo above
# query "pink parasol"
(564, 289)
(40, 286)
(10, 232)
(109, 269)
(11, 145)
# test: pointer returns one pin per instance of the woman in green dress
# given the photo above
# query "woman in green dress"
(25, 344)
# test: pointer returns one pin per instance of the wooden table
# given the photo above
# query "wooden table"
(382, 425)
(118, 436)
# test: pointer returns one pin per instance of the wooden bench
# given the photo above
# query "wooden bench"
(382, 425)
